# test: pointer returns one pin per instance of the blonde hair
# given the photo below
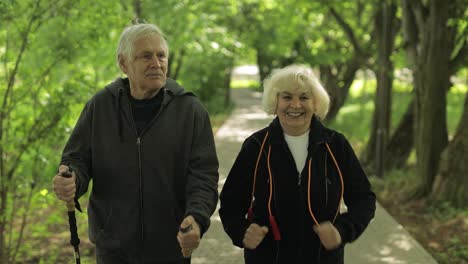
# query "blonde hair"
(290, 78)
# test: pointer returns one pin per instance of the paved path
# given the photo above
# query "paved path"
(384, 242)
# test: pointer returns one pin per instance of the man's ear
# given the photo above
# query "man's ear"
(123, 64)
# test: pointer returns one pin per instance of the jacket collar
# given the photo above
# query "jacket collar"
(116, 88)
(172, 87)
(318, 133)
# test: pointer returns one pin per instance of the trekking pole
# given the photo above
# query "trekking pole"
(75, 240)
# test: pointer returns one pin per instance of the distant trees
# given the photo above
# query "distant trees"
(55, 54)
(341, 37)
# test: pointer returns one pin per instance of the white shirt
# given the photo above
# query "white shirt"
(298, 147)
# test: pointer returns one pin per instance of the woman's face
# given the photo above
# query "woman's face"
(295, 109)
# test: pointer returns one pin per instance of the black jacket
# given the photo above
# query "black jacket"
(299, 243)
(144, 186)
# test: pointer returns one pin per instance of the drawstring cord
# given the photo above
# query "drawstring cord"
(341, 180)
(273, 223)
(308, 186)
(250, 210)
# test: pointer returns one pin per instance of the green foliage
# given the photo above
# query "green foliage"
(251, 84)
(54, 55)
(49, 52)
(444, 211)
(360, 105)
(198, 43)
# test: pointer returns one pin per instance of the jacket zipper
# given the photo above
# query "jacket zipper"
(140, 177)
(140, 170)
(299, 251)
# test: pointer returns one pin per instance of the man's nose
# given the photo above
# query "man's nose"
(156, 61)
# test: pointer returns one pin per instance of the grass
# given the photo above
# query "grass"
(251, 84)
(218, 119)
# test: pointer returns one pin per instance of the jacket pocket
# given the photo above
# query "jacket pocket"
(99, 219)
(334, 256)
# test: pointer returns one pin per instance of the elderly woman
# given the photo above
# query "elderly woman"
(281, 200)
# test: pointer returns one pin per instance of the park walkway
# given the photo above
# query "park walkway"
(384, 242)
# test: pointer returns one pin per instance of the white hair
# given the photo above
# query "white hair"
(290, 78)
(131, 34)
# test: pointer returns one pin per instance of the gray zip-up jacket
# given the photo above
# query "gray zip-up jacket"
(144, 186)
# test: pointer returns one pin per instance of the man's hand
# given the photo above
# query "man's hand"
(328, 234)
(64, 188)
(254, 235)
(188, 236)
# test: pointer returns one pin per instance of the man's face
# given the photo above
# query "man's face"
(147, 67)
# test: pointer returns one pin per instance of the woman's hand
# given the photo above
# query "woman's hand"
(328, 234)
(254, 235)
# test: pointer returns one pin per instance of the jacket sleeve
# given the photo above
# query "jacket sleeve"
(236, 193)
(77, 151)
(358, 196)
(202, 179)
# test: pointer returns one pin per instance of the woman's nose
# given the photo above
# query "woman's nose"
(295, 102)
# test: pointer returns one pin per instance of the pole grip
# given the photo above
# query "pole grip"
(70, 204)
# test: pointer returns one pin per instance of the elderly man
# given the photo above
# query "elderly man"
(148, 147)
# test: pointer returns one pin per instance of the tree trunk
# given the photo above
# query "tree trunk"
(175, 64)
(227, 86)
(384, 26)
(338, 80)
(3, 205)
(264, 63)
(137, 9)
(402, 141)
(430, 54)
(451, 182)
(368, 155)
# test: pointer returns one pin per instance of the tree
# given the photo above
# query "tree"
(430, 44)
(386, 28)
(451, 181)
(44, 72)
(386, 37)
(277, 27)
(201, 52)
(339, 76)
